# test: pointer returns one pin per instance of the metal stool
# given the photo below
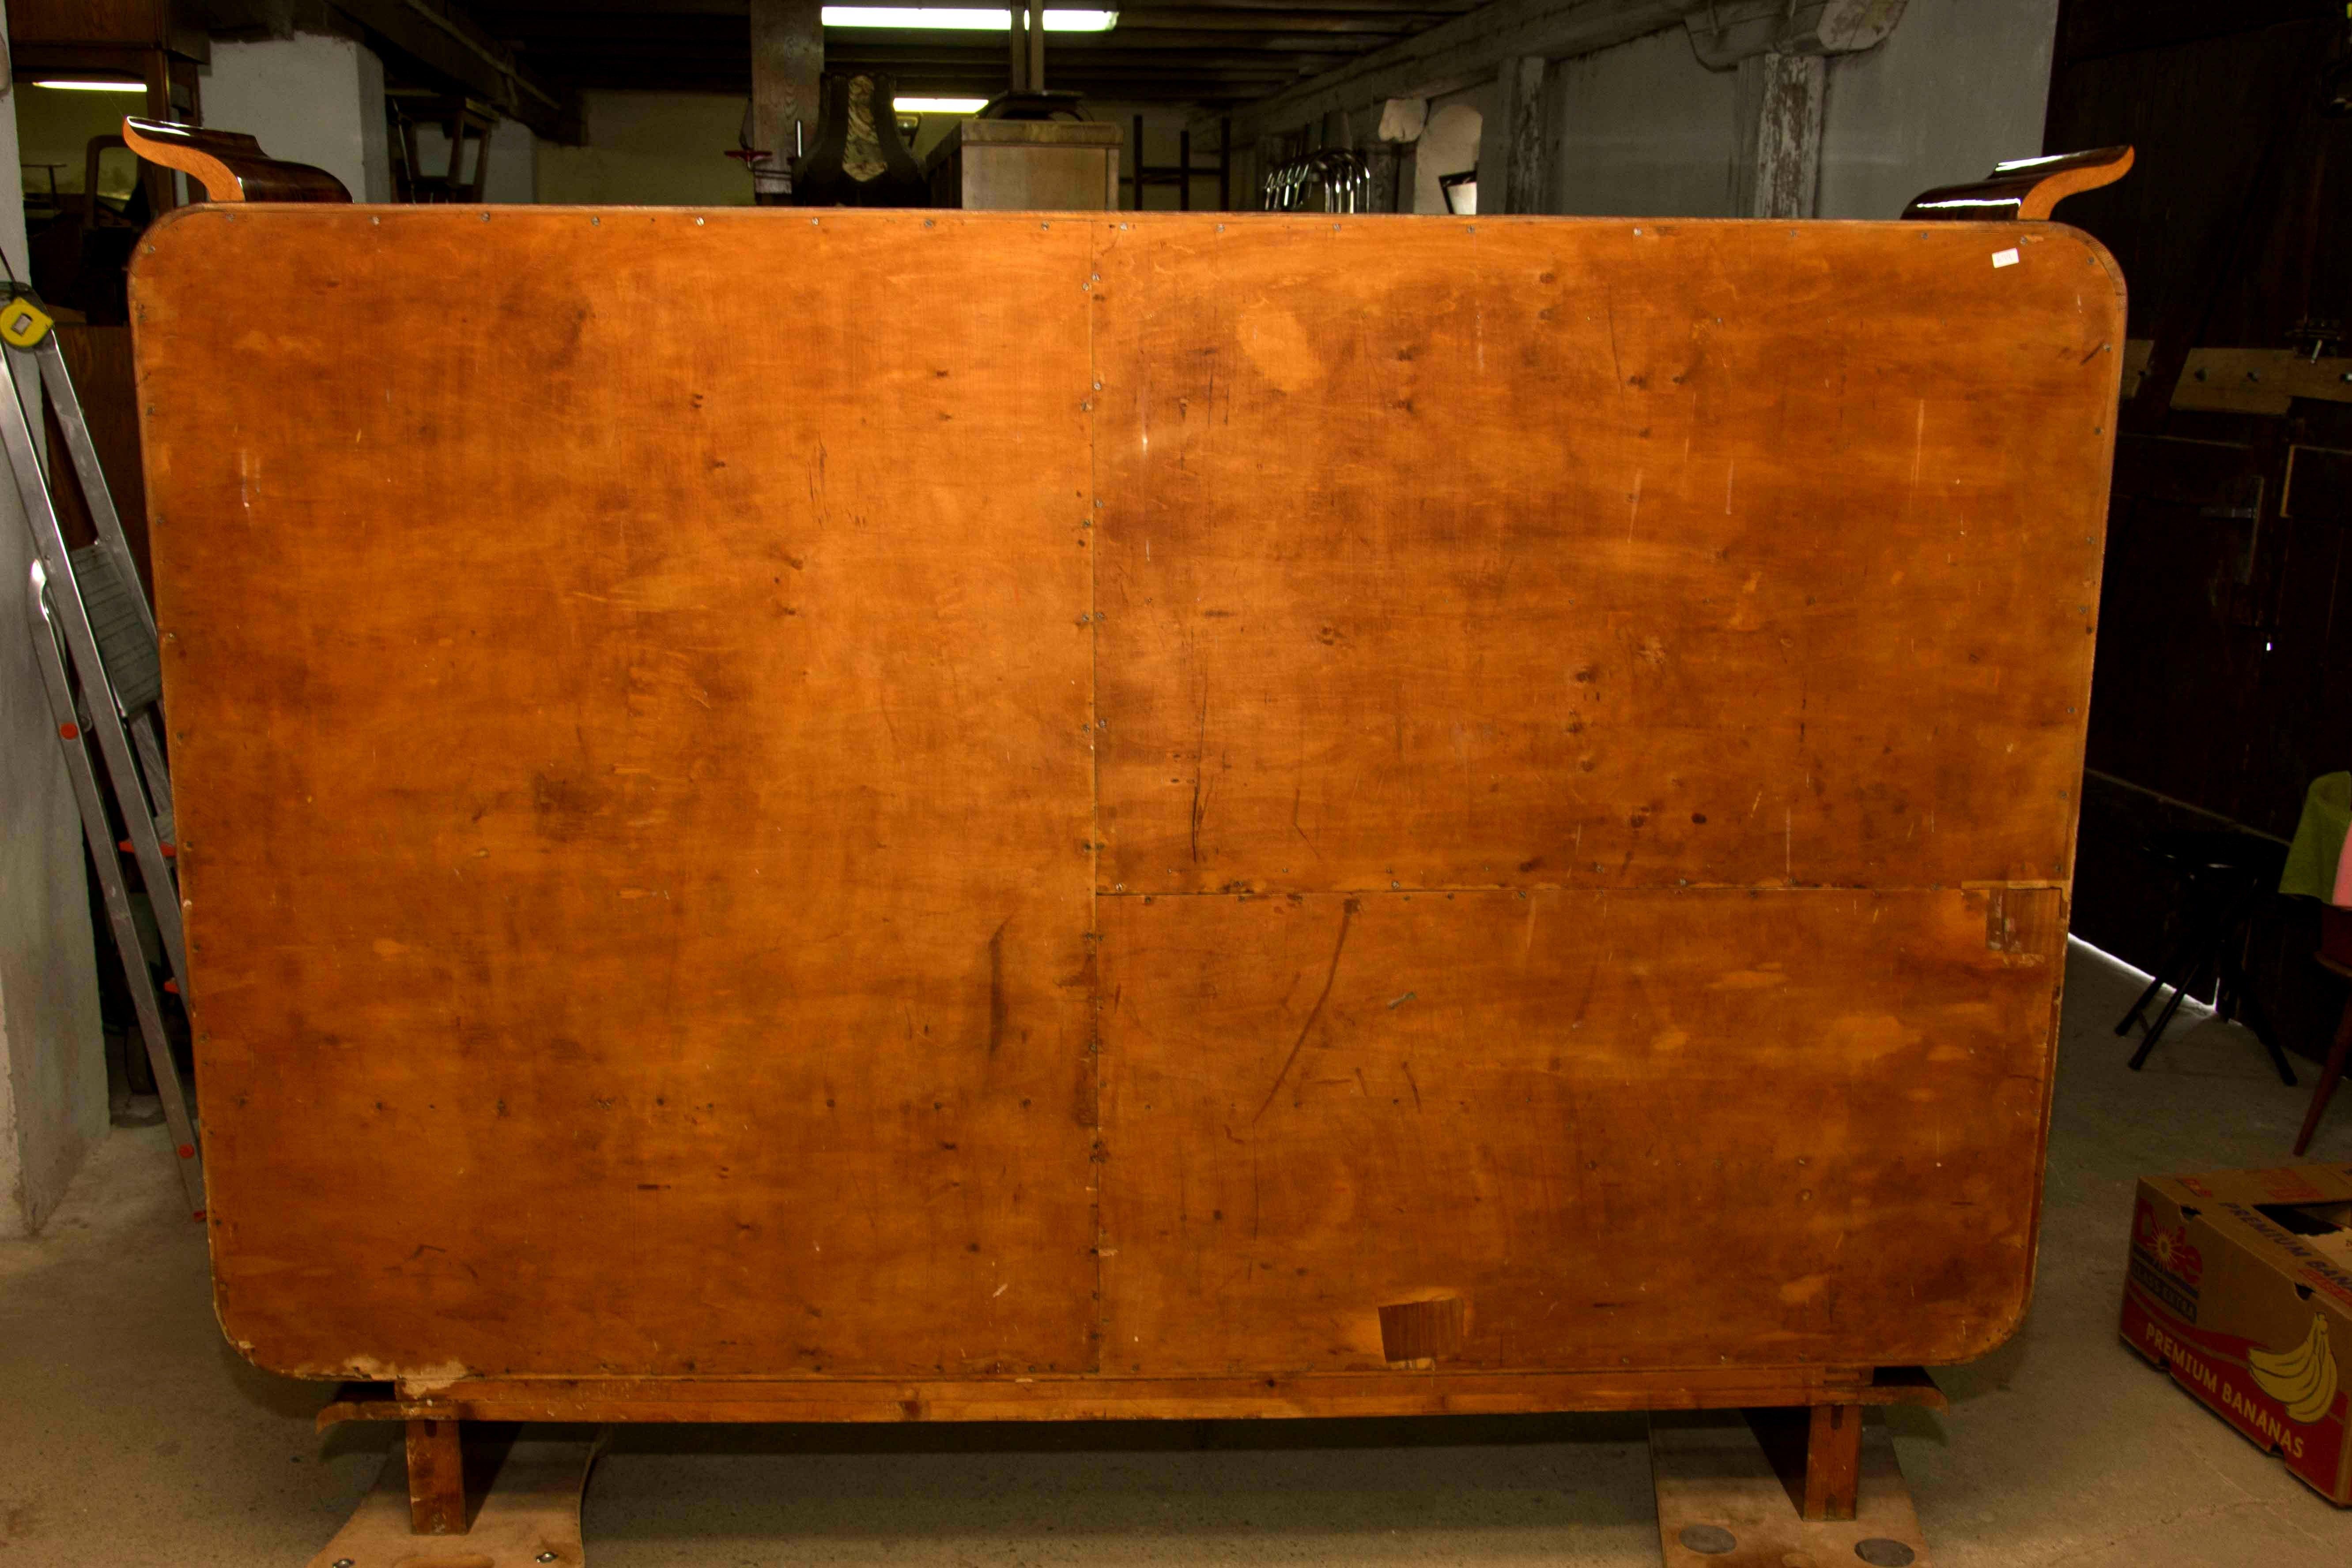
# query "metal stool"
(2225, 876)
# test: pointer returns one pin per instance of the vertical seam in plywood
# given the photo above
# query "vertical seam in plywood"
(1091, 294)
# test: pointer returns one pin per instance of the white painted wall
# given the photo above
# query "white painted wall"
(310, 99)
(513, 174)
(1958, 86)
(53, 1090)
(514, 163)
(650, 149)
(1644, 130)
(1641, 131)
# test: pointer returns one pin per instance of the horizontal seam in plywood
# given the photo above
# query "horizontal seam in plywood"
(1282, 892)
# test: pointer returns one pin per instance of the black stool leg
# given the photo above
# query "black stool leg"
(2199, 950)
(2230, 983)
(2155, 985)
(2164, 1019)
(2251, 1014)
(2183, 952)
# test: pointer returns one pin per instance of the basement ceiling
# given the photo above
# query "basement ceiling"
(1205, 52)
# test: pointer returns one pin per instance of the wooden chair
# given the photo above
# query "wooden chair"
(2332, 1073)
(463, 122)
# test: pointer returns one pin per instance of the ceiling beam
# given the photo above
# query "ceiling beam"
(443, 41)
(1195, 50)
(1270, 65)
(1170, 61)
(1449, 7)
(651, 9)
(724, 30)
(1472, 48)
(1219, 19)
(1462, 52)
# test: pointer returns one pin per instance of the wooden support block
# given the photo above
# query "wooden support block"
(1832, 1461)
(1721, 1503)
(436, 1479)
(1814, 1451)
(529, 1517)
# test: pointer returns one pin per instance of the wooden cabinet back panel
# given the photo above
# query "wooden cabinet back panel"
(993, 795)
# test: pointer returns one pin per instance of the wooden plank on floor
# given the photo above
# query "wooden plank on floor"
(1721, 1505)
(529, 1517)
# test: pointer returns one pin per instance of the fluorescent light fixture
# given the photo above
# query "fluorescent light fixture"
(960, 18)
(63, 85)
(939, 105)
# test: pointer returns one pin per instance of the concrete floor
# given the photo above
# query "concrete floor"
(132, 1435)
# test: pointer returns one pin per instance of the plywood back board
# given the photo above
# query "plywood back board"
(901, 796)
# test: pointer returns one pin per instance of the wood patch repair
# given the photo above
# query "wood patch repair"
(2028, 921)
(1419, 1333)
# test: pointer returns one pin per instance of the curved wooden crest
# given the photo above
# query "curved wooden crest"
(2027, 188)
(231, 166)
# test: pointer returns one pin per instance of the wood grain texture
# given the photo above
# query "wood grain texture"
(1094, 1397)
(1649, 1129)
(1528, 553)
(671, 775)
(436, 1479)
(1832, 1462)
(633, 818)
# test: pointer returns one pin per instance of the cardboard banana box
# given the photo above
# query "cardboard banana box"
(2241, 1283)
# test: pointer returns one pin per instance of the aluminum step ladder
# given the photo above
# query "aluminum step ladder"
(95, 640)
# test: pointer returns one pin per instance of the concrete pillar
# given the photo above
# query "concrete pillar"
(53, 1089)
(1513, 169)
(1957, 86)
(787, 61)
(308, 98)
(1382, 159)
(1776, 172)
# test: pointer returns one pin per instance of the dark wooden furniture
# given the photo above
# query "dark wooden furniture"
(1183, 172)
(2332, 1073)
(1152, 815)
(464, 124)
(162, 42)
(2228, 598)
